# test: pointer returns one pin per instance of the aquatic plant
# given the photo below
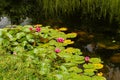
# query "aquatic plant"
(34, 52)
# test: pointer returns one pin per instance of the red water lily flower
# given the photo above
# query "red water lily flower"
(60, 40)
(38, 29)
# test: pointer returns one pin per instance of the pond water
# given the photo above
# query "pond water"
(108, 50)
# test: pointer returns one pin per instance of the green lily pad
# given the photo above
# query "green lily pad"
(95, 60)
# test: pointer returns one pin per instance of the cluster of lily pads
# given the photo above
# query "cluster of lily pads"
(35, 52)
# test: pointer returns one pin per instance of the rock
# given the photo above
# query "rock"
(91, 47)
(4, 21)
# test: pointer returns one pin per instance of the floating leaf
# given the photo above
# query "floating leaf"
(88, 66)
(89, 72)
(63, 29)
(75, 69)
(98, 66)
(71, 35)
(98, 78)
(95, 60)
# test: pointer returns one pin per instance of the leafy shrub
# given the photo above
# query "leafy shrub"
(41, 53)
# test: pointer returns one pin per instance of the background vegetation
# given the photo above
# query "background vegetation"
(95, 9)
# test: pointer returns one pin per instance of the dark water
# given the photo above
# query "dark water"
(111, 68)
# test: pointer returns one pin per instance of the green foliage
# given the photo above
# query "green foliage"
(53, 8)
(41, 53)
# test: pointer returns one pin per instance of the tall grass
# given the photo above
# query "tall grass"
(95, 7)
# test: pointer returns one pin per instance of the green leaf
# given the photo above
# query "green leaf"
(98, 78)
(26, 29)
(30, 38)
(59, 77)
(20, 35)
(1, 40)
(75, 69)
(77, 58)
(10, 36)
(36, 50)
(18, 49)
(27, 26)
(63, 68)
(45, 68)
(71, 35)
(69, 64)
(1, 32)
(24, 43)
(88, 66)
(89, 72)
(45, 36)
(15, 43)
(95, 60)
(52, 55)
(52, 42)
(6, 42)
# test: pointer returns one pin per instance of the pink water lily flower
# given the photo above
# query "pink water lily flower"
(60, 40)
(57, 50)
(38, 29)
(87, 58)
